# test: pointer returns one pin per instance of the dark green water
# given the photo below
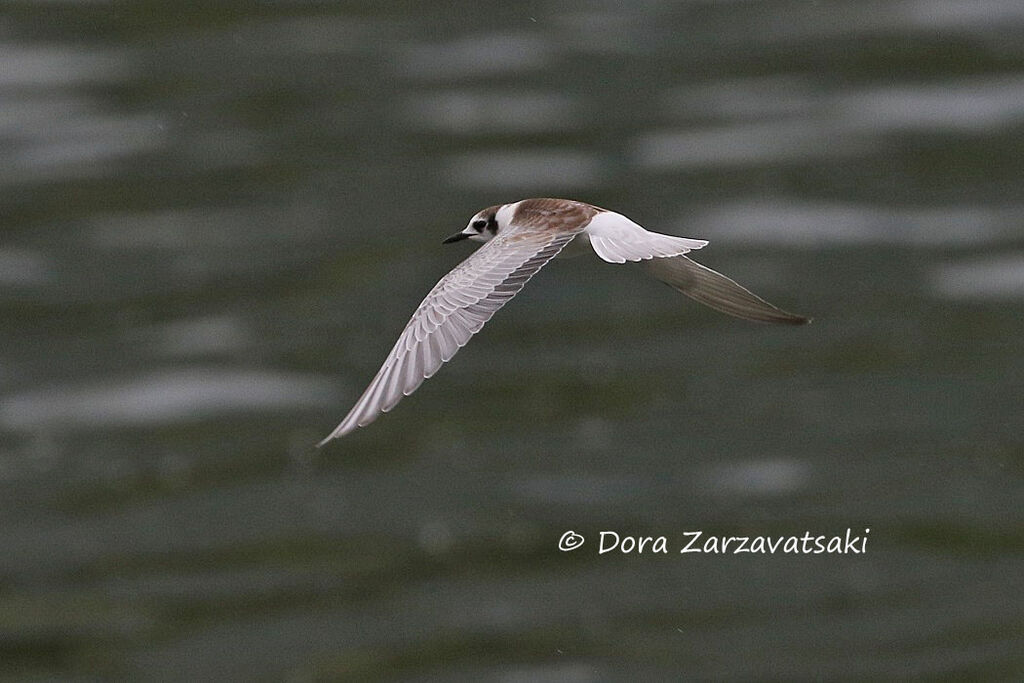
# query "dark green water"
(215, 223)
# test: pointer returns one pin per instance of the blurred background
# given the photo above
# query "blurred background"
(215, 221)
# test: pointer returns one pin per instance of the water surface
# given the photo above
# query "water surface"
(216, 221)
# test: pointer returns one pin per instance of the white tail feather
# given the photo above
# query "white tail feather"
(617, 239)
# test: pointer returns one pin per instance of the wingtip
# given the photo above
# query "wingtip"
(347, 426)
(336, 434)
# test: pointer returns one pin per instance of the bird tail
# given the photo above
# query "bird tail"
(717, 291)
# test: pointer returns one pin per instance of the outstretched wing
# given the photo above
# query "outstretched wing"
(713, 289)
(454, 310)
(617, 239)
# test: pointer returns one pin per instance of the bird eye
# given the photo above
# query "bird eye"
(480, 224)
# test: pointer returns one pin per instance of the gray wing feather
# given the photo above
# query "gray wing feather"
(717, 291)
(454, 310)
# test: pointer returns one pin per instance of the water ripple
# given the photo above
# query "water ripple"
(465, 112)
(744, 144)
(994, 277)
(475, 55)
(41, 66)
(813, 224)
(23, 268)
(162, 397)
(543, 169)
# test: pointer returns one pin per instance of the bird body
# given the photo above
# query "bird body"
(519, 239)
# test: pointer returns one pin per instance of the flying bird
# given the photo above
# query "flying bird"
(519, 238)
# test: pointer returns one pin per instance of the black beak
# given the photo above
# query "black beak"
(457, 237)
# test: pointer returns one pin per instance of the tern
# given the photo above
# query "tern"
(519, 238)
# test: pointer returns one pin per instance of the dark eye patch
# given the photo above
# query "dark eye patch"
(480, 224)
